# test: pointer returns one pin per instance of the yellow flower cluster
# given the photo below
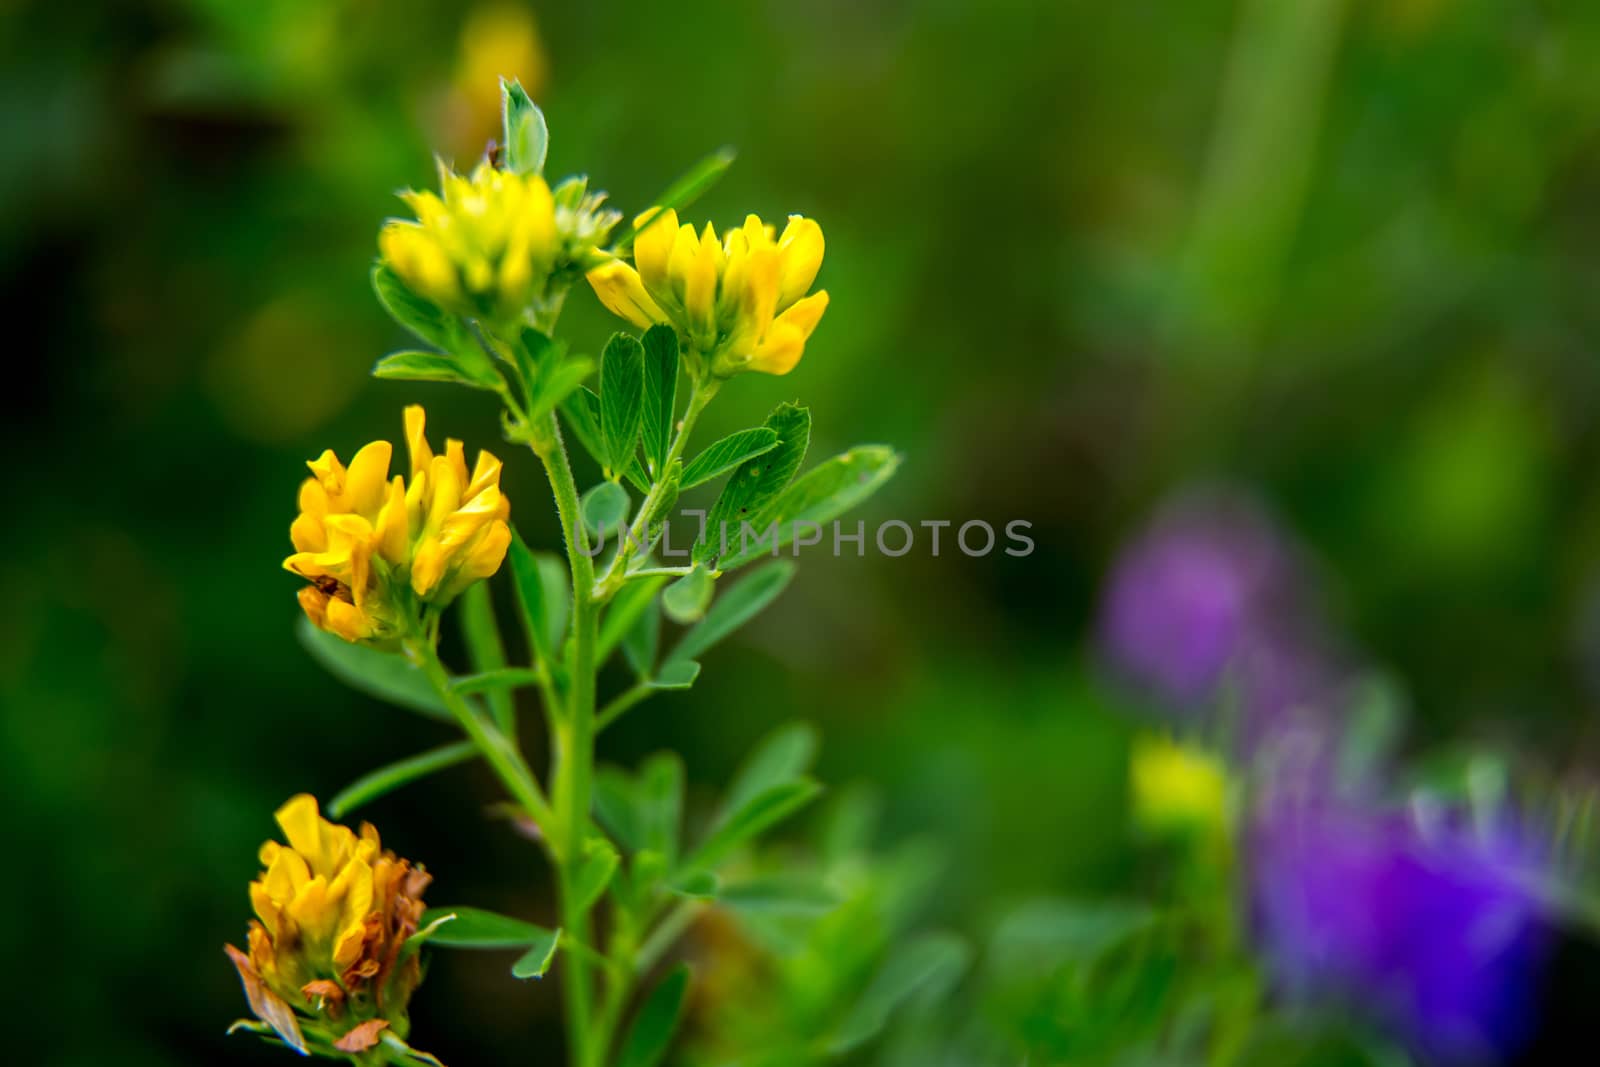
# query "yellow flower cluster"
(333, 912)
(740, 301)
(484, 246)
(373, 548)
(1177, 787)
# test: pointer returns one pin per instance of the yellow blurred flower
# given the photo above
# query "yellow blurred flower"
(741, 302)
(333, 912)
(1177, 787)
(375, 549)
(483, 247)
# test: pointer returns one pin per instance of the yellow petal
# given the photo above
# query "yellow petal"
(393, 532)
(485, 474)
(623, 293)
(302, 825)
(801, 246)
(653, 246)
(416, 442)
(364, 484)
(328, 471)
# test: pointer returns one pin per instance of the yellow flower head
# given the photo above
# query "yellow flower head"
(374, 548)
(484, 246)
(741, 301)
(1176, 787)
(333, 912)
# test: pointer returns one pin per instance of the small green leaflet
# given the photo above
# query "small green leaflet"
(387, 779)
(383, 675)
(422, 318)
(660, 392)
(726, 454)
(820, 496)
(621, 400)
(756, 482)
(527, 138)
(652, 1030)
(414, 366)
(681, 193)
(738, 605)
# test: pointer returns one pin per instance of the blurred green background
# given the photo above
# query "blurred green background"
(1345, 253)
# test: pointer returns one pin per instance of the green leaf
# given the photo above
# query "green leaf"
(782, 756)
(605, 510)
(505, 678)
(384, 780)
(633, 601)
(726, 454)
(666, 499)
(743, 601)
(536, 961)
(477, 928)
(616, 806)
(779, 895)
(926, 966)
(544, 597)
(683, 192)
(820, 496)
(679, 674)
(685, 600)
(756, 483)
(660, 794)
(432, 367)
(758, 814)
(642, 640)
(526, 136)
(660, 392)
(701, 885)
(652, 1030)
(556, 384)
(421, 317)
(531, 353)
(594, 872)
(621, 400)
(388, 676)
(582, 409)
(486, 652)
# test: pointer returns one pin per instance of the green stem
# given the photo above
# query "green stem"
(700, 395)
(666, 933)
(573, 744)
(496, 748)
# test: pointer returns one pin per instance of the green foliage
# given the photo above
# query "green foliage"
(387, 779)
(684, 191)
(756, 482)
(543, 596)
(653, 1027)
(526, 138)
(818, 497)
(742, 602)
(728, 453)
(477, 928)
(605, 510)
(660, 393)
(388, 678)
(621, 400)
(432, 367)
(686, 599)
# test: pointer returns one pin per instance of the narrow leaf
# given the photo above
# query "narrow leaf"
(683, 192)
(370, 787)
(486, 652)
(724, 455)
(632, 602)
(743, 601)
(782, 756)
(820, 496)
(526, 136)
(477, 928)
(616, 806)
(660, 798)
(642, 640)
(756, 483)
(660, 392)
(927, 965)
(652, 1030)
(558, 382)
(505, 678)
(594, 874)
(621, 400)
(422, 318)
(388, 676)
(544, 597)
(536, 961)
(758, 814)
(779, 895)
(582, 411)
(411, 366)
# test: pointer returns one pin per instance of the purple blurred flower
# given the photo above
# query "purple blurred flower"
(1210, 590)
(1436, 933)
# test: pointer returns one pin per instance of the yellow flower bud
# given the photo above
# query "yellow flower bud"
(333, 911)
(740, 302)
(374, 549)
(1177, 787)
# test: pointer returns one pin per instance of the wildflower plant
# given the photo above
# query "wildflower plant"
(479, 274)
